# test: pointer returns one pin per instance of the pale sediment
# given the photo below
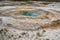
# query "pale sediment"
(15, 19)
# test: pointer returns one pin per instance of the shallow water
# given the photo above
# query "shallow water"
(29, 13)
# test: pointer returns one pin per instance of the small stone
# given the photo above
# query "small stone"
(47, 39)
(38, 34)
(1, 31)
(44, 31)
(0, 20)
(9, 25)
(12, 35)
(23, 33)
(9, 37)
(19, 36)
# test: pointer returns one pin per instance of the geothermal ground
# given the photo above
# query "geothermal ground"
(8, 32)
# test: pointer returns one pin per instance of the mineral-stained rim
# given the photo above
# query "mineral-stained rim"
(52, 24)
(42, 16)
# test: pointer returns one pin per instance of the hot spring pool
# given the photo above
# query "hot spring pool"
(28, 20)
(30, 13)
